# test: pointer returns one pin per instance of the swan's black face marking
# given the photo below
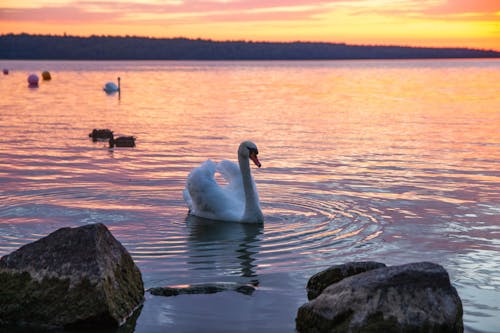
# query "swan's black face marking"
(252, 153)
(253, 150)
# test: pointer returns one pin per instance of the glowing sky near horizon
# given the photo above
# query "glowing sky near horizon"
(461, 23)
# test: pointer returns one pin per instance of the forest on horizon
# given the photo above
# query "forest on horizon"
(51, 47)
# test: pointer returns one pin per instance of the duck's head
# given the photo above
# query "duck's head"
(248, 149)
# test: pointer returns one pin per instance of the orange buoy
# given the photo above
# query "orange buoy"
(46, 75)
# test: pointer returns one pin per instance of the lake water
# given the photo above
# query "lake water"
(391, 161)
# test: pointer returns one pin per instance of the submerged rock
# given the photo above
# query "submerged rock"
(74, 277)
(416, 297)
(204, 288)
(319, 281)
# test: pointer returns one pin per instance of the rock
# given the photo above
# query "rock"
(74, 277)
(415, 297)
(319, 281)
(204, 288)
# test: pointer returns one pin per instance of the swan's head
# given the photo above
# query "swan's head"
(248, 149)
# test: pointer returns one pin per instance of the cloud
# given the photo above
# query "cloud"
(179, 11)
(56, 15)
(194, 6)
(93, 10)
(464, 7)
(463, 10)
(452, 10)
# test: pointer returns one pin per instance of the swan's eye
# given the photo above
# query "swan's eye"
(253, 150)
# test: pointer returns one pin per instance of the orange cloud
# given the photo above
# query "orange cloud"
(56, 15)
(464, 7)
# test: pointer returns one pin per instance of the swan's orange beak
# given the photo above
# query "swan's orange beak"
(253, 157)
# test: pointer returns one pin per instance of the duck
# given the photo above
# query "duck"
(111, 87)
(97, 134)
(237, 201)
(122, 141)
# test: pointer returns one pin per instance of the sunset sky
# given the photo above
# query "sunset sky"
(462, 23)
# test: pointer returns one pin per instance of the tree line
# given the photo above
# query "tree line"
(27, 46)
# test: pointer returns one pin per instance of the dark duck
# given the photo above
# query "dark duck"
(101, 134)
(122, 141)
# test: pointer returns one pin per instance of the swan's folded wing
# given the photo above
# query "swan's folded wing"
(201, 179)
(229, 170)
(208, 199)
(232, 174)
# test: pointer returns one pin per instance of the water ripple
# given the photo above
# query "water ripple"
(294, 231)
(361, 161)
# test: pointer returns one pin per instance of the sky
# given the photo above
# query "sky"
(435, 23)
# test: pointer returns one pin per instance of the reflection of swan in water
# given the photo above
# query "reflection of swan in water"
(223, 246)
(237, 201)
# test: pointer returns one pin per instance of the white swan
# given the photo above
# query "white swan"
(237, 201)
(111, 87)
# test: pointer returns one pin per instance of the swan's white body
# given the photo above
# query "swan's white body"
(237, 201)
(111, 87)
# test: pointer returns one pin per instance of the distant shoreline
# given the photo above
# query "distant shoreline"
(49, 47)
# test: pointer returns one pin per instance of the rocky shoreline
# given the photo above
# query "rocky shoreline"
(84, 278)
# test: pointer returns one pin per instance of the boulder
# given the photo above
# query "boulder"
(74, 277)
(415, 297)
(319, 281)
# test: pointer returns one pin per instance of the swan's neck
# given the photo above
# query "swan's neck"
(252, 211)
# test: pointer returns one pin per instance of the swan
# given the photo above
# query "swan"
(111, 87)
(237, 201)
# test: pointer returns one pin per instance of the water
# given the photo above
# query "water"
(392, 161)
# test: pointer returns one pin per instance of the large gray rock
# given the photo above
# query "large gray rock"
(415, 297)
(73, 277)
(319, 281)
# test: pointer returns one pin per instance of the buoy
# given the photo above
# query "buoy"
(33, 81)
(46, 75)
(5, 71)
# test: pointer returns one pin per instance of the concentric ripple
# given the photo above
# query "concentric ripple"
(298, 233)
(305, 230)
